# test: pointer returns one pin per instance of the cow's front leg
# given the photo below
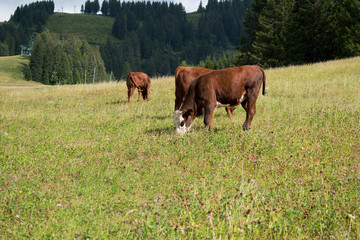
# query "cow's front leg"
(178, 102)
(208, 118)
(230, 111)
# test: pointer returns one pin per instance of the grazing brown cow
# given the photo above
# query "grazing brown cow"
(221, 88)
(138, 80)
(183, 77)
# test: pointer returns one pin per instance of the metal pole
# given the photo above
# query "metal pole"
(85, 76)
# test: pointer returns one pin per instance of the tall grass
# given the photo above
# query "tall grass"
(81, 162)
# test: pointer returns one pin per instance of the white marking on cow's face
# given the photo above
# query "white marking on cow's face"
(179, 122)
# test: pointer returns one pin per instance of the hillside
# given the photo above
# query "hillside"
(95, 29)
(11, 74)
(79, 161)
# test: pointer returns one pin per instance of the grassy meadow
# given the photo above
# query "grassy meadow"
(11, 74)
(96, 29)
(81, 162)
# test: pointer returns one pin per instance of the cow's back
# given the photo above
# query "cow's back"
(185, 75)
(138, 79)
(229, 84)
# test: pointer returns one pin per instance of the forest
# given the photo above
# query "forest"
(288, 32)
(65, 61)
(23, 25)
(156, 37)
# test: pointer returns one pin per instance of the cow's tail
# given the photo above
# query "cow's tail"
(263, 78)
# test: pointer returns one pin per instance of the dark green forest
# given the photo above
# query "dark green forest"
(65, 61)
(288, 32)
(157, 37)
(23, 25)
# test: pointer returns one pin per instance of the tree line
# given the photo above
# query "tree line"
(155, 37)
(286, 32)
(23, 25)
(91, 7)
(65, 61)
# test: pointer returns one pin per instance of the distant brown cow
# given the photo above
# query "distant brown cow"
(138, 80)
(183, 77)
(221, 88)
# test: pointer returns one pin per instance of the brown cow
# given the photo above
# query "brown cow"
(138, 80)
(183, 77)
(221, 88)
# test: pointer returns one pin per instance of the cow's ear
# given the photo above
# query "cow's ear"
(188, 113)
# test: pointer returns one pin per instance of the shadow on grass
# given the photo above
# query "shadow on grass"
(161, 130)
(157, 117)
(119, 101)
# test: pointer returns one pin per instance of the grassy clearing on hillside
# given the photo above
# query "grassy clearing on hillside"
(81, 162)
(96, 29)
(11, 71)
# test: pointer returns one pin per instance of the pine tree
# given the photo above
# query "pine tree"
(64, 71)
(95, 7)
(251, 27)
(36, 61)
(348, 28)
(105, 8)
(270, 45)
(200, 8)
(27, 72)
(87, 7)
(48, 58)
(10, 41)
(314, 30)
(4, 49)
(114, 8)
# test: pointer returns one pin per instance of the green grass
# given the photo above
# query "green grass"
(81, 162)
(95, 29)
(11, 74)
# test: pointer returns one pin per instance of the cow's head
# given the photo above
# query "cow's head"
(183, 120)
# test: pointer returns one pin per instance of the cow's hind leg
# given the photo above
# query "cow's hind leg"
(130, 93)
(146, 93)
(208, 117)
(143, 93)
(250, 107)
